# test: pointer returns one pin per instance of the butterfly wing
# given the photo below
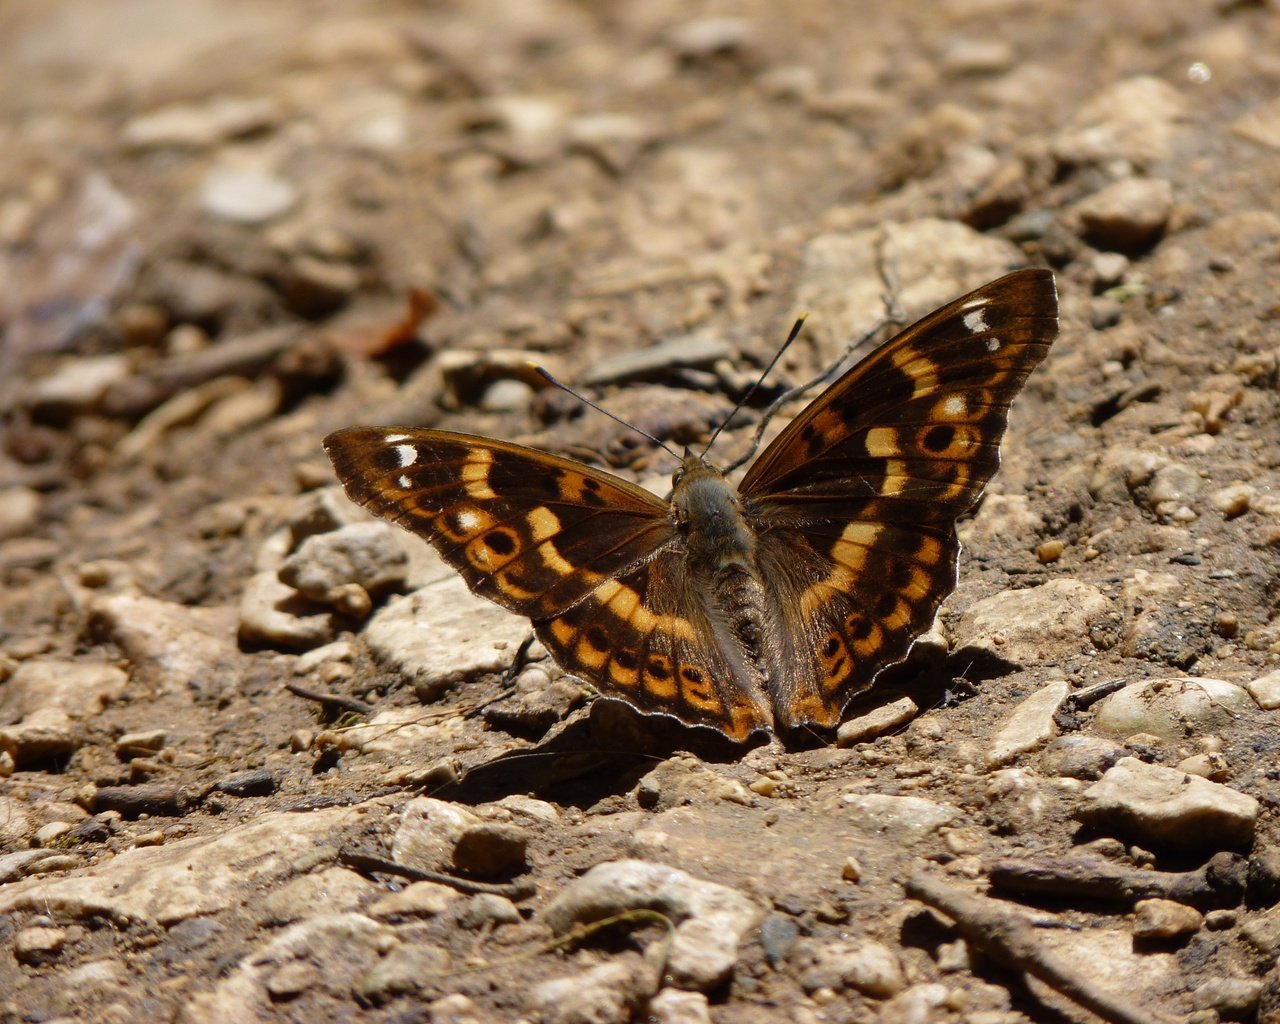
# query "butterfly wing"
(855, 502)
(593, 560)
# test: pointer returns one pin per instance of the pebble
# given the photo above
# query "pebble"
(180, 648)
(492, 850)
(486, 908)
(442, 634)
(429, 830)
(1265, 690)
(37, 946)
(1173, 483)
(877, 722)
(609, 993)
(1080, 757)
(1172, 709)
(1233, 998)
(704, 37)
(1028, 627)
(1233, 500)
(531, 128)
(1108, 268)
(245, 195)
(1164, 919)
(920, 1004)
(44, 734)
(1049, 551)
(417, 899)
(255, 782)
(1167, 809)
(77, 385)
(1128, 215)
(19, 511)
(408, 968)
(673, 1006)
(367, 554)
(778, 934)
(136, 744)
(198, 125)
(711, 919)
(867, 966)
(1029, 725)
(507, 396)
(266, 617)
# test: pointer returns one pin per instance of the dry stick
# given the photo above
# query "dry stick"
(1220, 883)
(336, 700)
(1010, 939)
(368, 863)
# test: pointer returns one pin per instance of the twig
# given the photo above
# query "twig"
(330, 700)
(1010, 939)
(1220, 883)
(369, 864)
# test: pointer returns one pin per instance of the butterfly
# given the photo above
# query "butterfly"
(765, 606)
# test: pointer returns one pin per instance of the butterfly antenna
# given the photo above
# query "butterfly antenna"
(546, 375)
(794, 393)
(755, 386)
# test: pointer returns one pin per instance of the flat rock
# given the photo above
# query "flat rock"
(1168, 809)
(429, 831)
(1027, 726)
(443, 634)
(185, 878)
(905, 819)
(1133, 120)
(1265, 690)
(876, 722)
(172, 645)
(246, 195)
(1030, 627)
(1172, 709)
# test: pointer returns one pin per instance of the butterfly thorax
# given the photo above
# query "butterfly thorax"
(720, 547)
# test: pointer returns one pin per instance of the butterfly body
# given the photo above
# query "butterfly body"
(765, 605)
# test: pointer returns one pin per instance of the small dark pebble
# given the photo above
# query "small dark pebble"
(258, 782)
(1262, 883)
(92, 830)
(778, 936)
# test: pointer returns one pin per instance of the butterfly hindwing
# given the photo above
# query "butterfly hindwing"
(649, 638)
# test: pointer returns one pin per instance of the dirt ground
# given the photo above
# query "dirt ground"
(229, 228)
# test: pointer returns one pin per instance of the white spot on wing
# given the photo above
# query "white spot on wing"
(467, 521)
(993, 344)
(954, 406)
(974, 304)
(408, 455)
(396, 438)
(975, 321)
(405, 482)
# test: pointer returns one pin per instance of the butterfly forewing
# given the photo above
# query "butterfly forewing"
(531, 531)
(855, 503)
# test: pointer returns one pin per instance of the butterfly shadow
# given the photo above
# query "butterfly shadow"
(600, 753)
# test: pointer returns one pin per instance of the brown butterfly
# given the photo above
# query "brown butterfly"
(763, 606)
